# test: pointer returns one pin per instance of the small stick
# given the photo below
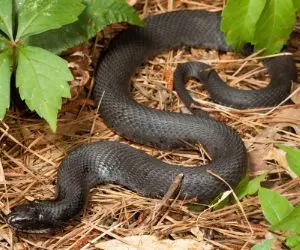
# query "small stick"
(238, 202)
(173, 189)
(172, 193)
(167, 200)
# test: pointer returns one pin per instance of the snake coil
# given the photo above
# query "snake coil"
(113, 162)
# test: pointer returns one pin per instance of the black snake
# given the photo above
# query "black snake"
(113, 162)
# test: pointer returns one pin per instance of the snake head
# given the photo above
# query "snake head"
(32, 218)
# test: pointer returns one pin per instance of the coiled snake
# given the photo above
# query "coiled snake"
(113, 162)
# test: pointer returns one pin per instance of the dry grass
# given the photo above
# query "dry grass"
(30, 153)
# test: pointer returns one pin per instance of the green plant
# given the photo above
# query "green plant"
(32, 30)
(266, 24)
(246, 187)
(293, 158)
(279, 212)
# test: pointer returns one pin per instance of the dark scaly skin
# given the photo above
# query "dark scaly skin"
(113, 162)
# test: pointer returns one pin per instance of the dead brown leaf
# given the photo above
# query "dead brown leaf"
(146, 242)
(287, 115)
(260, 147)
(279, 156)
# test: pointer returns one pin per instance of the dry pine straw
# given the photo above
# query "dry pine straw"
(30, 153)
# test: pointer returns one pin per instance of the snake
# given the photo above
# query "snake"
(115, 162)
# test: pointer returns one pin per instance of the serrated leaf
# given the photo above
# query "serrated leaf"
(239, 19)
(249, 187)
(292, 157)
(274, 26)
(94, 18)
(264, 245)
(291, 222)
(37, 16)
(293, 240)
(6, 17)
(274, 206)
(5, 75)
(42, 79)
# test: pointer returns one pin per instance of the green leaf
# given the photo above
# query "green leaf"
(241, 189)
(249, 187)
(296, 247)
(291, 222)
(239, 19)
(275, 25)
(297, 5)
(254, 184)
(293, 240)
(195, 207)
(19, 5)
(221, 200)
(37, 16)
(3, 43)
(6, 18)
(5, 75)
(292, 157)
(94, 18)
(42, 80)
(274, 206)
(264, 245)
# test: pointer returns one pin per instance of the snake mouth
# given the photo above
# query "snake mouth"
(24, 224)
(18, 225)
(28, 218)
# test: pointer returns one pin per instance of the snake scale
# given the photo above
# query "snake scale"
(114, 162)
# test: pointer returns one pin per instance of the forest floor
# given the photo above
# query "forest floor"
(31, 153)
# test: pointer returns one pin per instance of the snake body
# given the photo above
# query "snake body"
(114, 162)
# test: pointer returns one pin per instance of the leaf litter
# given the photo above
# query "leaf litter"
(31, 153)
